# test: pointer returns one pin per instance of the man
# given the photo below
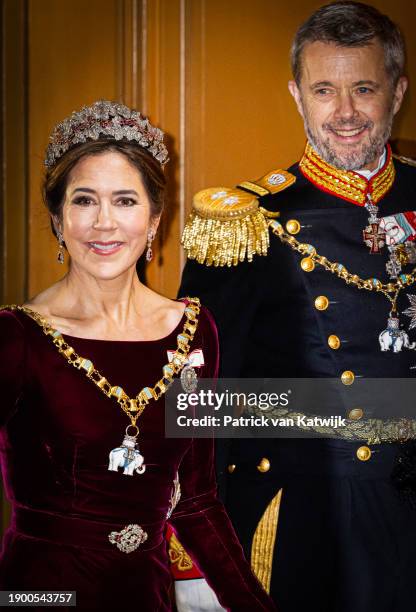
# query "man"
(321, 518)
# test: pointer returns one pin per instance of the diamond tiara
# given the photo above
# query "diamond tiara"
(104, 118)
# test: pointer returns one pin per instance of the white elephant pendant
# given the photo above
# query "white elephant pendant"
(394, 338)
(128, 457)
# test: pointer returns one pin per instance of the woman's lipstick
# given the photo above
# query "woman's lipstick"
(105, 248)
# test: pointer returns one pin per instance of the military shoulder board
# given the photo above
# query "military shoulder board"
(406, 160)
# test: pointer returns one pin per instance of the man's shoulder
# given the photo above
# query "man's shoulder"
(406, 161)
(405, 168)
(228, 226)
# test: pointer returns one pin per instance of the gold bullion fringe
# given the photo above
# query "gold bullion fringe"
(263, 542)
(222, 242)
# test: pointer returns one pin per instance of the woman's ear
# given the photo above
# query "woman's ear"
(154, 224)
(57, 225)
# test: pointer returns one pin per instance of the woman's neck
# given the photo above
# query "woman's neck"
(88, 298)
(115, 309)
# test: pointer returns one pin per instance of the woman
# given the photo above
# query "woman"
(84, 366)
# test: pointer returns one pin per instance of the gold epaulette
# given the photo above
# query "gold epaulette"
(406, 160)
(227, 226)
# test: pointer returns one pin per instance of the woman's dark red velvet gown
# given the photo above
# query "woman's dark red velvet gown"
(57, 431)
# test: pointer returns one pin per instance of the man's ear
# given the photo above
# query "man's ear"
(399, 93)
(294, 90)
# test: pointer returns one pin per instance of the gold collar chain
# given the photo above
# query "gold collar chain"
(133, 407)
(311, 258)
(346, 184)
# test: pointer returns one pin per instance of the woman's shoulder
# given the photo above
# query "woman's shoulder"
(12, 325)
(17, 323)
(13, 357)
(43, 303)
(11, 316)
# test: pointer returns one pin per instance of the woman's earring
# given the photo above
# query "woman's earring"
(149, 252)
(61, 253)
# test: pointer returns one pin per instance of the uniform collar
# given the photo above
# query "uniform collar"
(368, 174)
(346, 184)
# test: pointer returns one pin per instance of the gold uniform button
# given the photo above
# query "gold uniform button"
(334, 342)
(307, 264)
(363, 453)
(355, 414)
(321, 302)
(347, 377)
(264, 465)
(293, 226)
(231, 468)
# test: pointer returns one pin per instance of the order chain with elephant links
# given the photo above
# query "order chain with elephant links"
(127, 455)
(371, 284)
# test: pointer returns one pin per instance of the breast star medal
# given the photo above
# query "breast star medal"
(411, 311)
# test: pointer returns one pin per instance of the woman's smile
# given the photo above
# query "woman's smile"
(105, 248)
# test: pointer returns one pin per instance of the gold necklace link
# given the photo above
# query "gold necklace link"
(133, 407)
(370, 284)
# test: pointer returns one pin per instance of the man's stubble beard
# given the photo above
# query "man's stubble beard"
(356, 160)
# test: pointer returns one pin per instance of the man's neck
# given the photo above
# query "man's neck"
(368, 174)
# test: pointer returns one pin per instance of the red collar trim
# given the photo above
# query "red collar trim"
(347, 184)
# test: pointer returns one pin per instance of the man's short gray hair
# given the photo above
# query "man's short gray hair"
(351, 24)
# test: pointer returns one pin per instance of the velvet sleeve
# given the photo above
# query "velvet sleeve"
(207, 534)
(12, 366)
(201, 522)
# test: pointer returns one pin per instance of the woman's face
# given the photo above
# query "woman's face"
(106, 215)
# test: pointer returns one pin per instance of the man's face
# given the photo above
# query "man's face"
(347, 102)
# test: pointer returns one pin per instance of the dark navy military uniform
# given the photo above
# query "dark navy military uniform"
(345, 542)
